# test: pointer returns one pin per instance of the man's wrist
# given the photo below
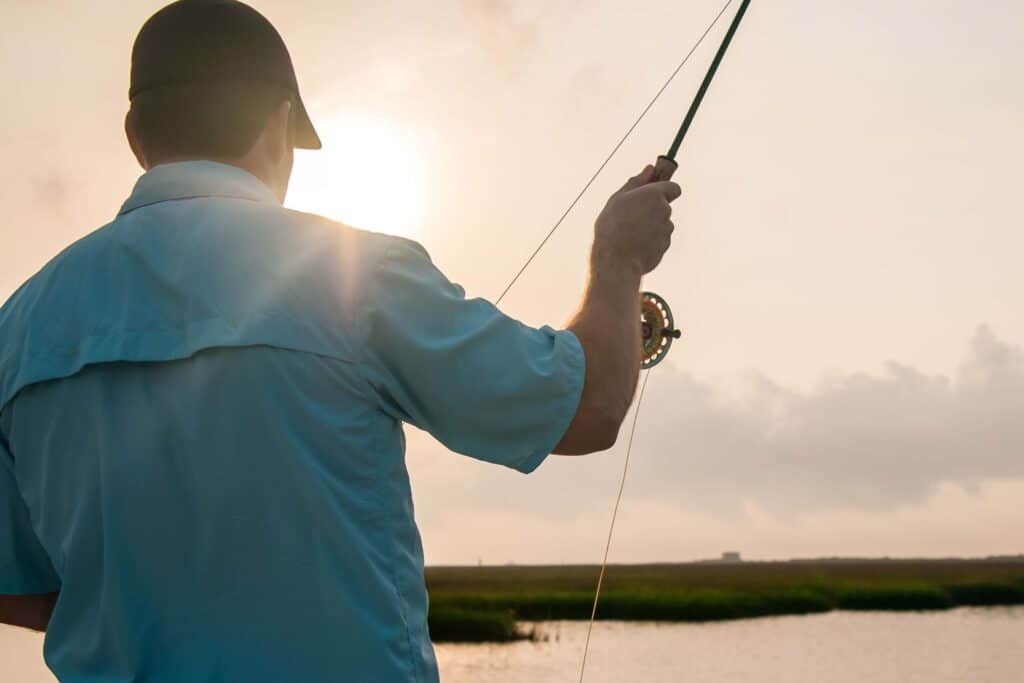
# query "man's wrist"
(607, 268)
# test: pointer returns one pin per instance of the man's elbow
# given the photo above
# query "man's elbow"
(606, 433)
(599, 433)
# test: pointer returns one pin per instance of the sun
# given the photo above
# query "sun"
(370, 174)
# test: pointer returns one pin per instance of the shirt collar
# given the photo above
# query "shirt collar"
(193, 179)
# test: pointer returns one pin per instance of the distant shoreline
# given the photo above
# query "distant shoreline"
(475, 604)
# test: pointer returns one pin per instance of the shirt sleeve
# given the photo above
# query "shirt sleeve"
(25, 568)
(482, 383)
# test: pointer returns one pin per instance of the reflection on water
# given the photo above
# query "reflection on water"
(963, 645)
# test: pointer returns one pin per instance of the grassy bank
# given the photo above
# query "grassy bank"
(484, 603)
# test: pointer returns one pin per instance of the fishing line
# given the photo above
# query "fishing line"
(611, 528)
(613, 152)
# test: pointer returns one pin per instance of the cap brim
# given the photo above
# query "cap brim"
(305, 134)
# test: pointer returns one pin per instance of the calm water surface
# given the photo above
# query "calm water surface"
(964, 645)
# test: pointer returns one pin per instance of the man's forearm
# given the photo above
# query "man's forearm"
(27, 611)
(611, 316)
(608, 327)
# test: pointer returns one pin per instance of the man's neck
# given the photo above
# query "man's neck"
(245, 163)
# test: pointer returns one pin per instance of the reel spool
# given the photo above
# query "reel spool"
(657, 329)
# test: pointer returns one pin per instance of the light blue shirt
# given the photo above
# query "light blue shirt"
(201, 444)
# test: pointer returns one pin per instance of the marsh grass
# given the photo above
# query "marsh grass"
(462, 624)
(484, 603)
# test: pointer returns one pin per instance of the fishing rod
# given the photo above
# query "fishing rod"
(657, 326)
(668, 161)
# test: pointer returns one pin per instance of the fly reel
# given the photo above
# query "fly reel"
(657, 329)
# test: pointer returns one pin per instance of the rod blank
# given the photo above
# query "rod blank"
(674, 149)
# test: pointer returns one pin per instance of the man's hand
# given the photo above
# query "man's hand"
(635, 228)
(630, 237)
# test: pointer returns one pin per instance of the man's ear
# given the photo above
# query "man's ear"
(279, 130)
(133, 140)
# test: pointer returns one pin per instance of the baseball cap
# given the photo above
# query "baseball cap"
(217, 44)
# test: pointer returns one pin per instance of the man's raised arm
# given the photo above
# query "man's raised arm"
(631, 235)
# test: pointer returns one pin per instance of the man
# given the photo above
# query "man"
(202, 470)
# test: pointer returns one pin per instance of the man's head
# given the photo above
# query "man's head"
(212, 79)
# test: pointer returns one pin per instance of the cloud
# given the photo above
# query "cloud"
(506, 36)
(856, 442)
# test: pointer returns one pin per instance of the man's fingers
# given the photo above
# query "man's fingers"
(664, 189)
(639, 180)
(671, 190)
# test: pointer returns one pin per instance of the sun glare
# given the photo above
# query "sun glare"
(370, 174)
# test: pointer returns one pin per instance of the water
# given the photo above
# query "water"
(963, 645)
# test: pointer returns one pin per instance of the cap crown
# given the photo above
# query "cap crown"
(210, 42)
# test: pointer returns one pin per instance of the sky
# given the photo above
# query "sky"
(845, 265)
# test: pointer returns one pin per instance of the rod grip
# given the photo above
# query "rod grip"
(664, 168)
